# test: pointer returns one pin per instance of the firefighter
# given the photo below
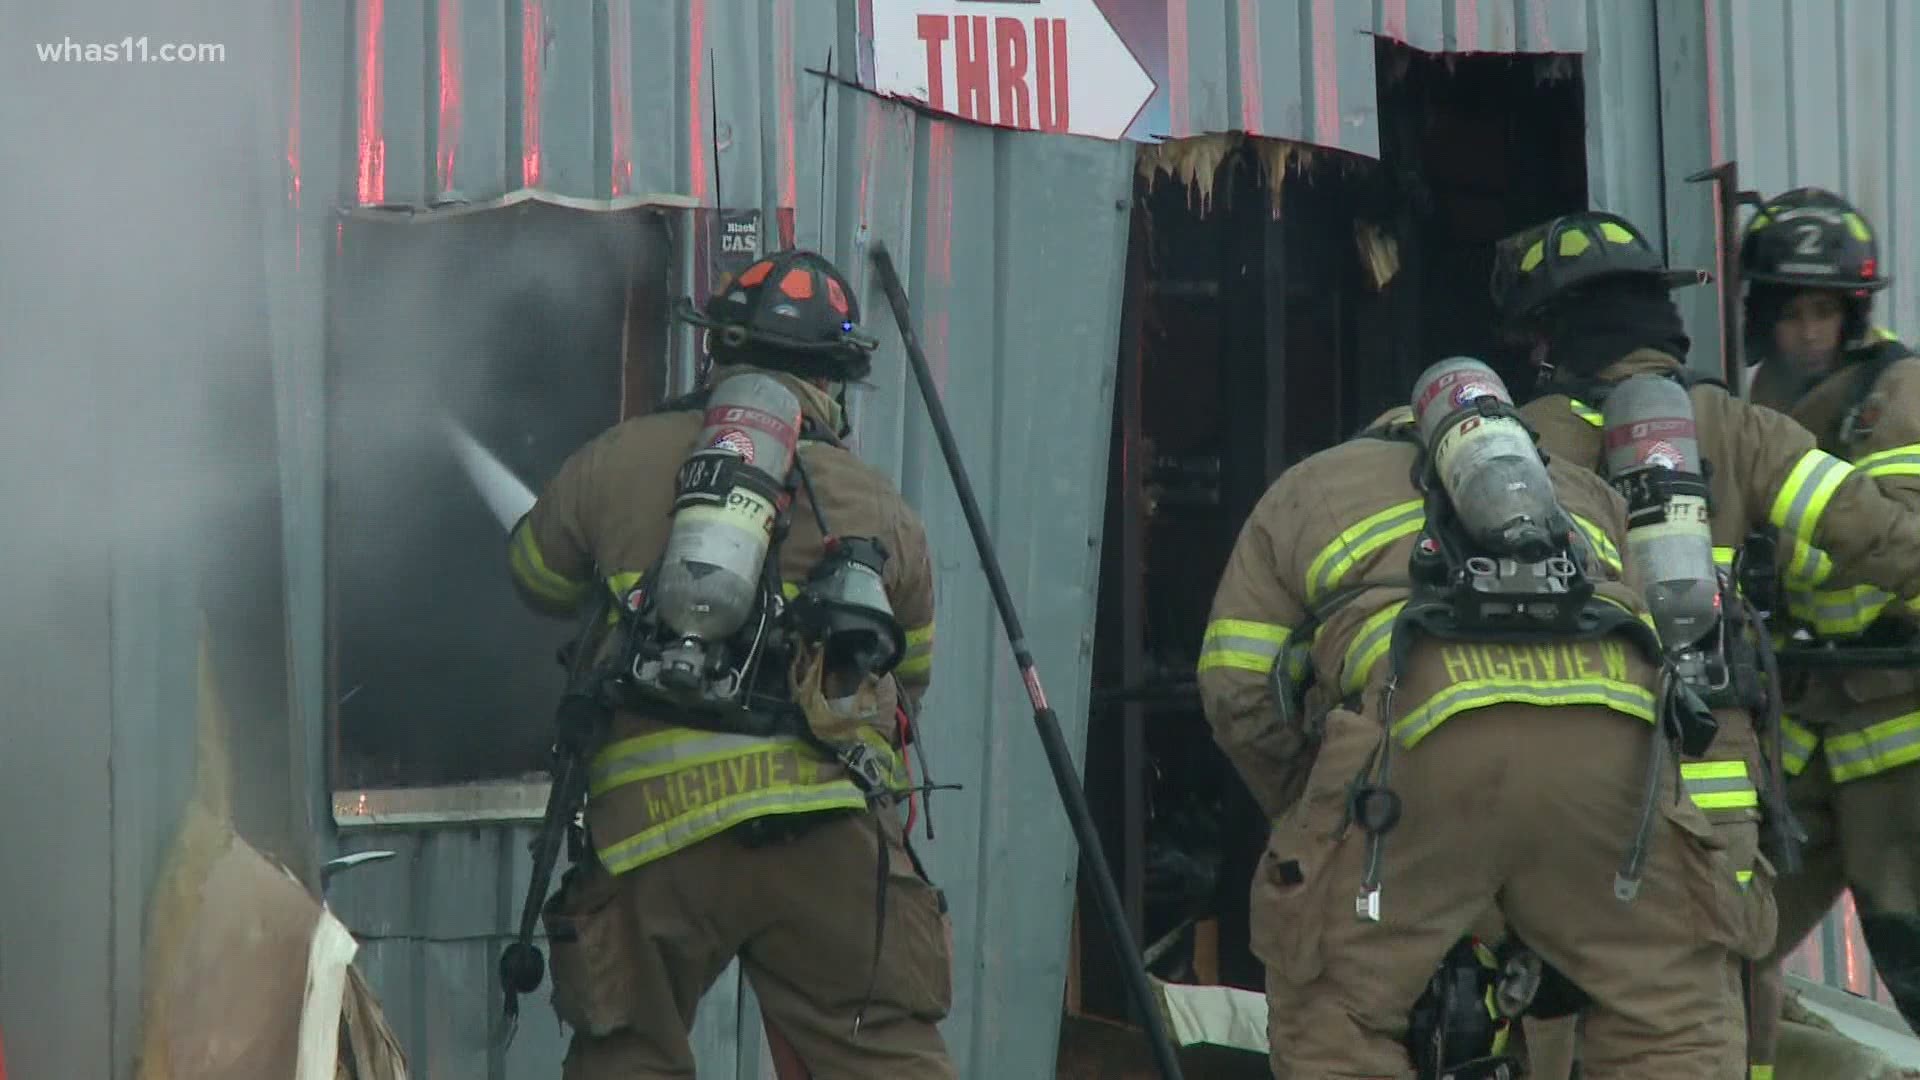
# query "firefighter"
(1587, 300)
(745, 832)
(1425, 771)
(1813, 268)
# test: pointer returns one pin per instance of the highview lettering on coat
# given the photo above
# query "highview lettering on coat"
(1039, 65)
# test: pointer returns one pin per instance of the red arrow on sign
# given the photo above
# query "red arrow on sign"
(1039, 65)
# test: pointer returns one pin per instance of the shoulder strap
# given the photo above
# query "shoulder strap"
(1873, 361)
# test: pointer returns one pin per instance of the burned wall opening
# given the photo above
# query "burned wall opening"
(1278, 297)
(519, 327)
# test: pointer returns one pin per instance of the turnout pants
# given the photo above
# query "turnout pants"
(1552, 1046)
(1525, 811)
(1863, 834)
(799, 914)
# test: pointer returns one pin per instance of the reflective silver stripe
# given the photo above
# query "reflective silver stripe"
(1839, 612)
(1874, 749)
(1634, 701)
(1807, 491)
(1371, 533)
(1369, 644)
(1797, 746)
(668, 751)
(1719, 785)
(691, 828)
(1242, 644)
(1603, 548)
(1895, 461)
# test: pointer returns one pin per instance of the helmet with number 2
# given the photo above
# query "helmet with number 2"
(1810, 238)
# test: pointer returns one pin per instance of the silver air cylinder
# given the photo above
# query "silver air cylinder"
(725, 502)
(1487, 462)
(1648, 427)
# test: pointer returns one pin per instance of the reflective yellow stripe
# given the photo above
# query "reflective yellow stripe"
(1807, 566)
(1796, 746)
(1621, 697)
(1836, 613)
(1602, 546)
(659, 753)
(1587, 412)
(1361, 540)
(1803, 499)
(1745, 878)
(530, 569)
(1759, 1072)
(683, 832)
(1718, 785)
(1894, 461)
(1243, 645)
(1368, 647)
(1888, 744)
(706, 782)
(1723, 557)
(918, 659)
(1401, 520)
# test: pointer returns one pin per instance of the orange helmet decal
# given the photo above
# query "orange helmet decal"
(797, 283)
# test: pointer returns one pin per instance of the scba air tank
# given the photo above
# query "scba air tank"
(1653, 458)
(726, 497)
(1486, 459)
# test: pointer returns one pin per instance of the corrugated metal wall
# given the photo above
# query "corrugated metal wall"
(1013, 246)
(1303, 69)
(142, 506)
(1821, 93)
(1806, 92)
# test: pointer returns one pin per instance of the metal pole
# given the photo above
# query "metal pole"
(1059, 759)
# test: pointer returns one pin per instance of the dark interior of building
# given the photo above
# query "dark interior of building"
(1259, 327)
(512, 324)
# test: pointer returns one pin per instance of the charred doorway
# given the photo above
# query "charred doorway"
(1278, 298)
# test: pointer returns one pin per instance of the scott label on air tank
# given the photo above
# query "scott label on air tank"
(726, 497)
(1486, 459)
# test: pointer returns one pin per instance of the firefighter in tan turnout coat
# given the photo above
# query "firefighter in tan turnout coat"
(1519, 778)
(1589, 298)
(709, 845)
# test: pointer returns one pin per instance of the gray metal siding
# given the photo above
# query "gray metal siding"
(135, 362)
(432, 923)
(1811, 92)
(1013, 247)
(1303, 69)
(1815, 92)
(1623, 115)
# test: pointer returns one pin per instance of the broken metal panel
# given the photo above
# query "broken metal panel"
(1024, 357)
(1303, 70)
(1503, 26)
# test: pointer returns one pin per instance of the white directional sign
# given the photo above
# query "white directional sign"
(1039, 65)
